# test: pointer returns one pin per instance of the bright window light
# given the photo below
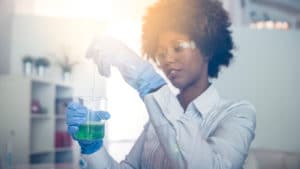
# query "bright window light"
(128, 113)
(90, 9)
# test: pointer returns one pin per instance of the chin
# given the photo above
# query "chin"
(178, 84)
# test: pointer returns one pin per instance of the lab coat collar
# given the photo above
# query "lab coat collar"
(206, 101)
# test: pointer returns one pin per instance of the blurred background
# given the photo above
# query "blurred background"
(43, 65)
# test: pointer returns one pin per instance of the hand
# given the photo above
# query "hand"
(107, 51)
(137, 72)
(76, 115)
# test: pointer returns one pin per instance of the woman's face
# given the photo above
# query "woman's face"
(180, 60)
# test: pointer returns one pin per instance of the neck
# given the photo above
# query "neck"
(194, 90)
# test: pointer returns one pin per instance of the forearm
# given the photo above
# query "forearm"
(166, 133)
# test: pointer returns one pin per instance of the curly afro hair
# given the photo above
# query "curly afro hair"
(204, 21)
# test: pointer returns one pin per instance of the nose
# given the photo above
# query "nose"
(170, 57)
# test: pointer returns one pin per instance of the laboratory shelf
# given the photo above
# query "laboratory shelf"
(39, 80)
(63, 157)
(60, 117)
(42, 157)
(63, 149)
(40, 152)
(36, 128)
(66, 85)
(40, 117)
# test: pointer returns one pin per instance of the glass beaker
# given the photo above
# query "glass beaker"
(94, 127)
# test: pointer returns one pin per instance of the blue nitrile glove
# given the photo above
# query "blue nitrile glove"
(76, 115)
(137, 72)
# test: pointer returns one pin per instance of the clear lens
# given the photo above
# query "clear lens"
(176, 48)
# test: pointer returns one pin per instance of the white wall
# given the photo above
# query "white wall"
(6, 10)
(235, 11)
(48, 37)
(266, 72)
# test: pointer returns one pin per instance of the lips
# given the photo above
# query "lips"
(172, 73)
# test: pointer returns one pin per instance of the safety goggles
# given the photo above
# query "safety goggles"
(177, 47)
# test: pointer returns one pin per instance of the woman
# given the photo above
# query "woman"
(190, 41)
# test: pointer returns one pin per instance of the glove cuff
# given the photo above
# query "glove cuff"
(141, 76)
(148, 81)
(91, 147)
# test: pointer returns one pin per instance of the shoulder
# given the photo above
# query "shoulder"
(233, 105)
(241, 109)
